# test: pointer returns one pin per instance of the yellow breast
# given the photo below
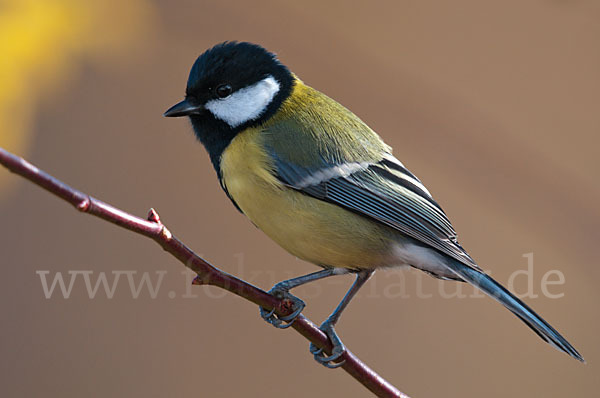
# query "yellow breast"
(311, 229)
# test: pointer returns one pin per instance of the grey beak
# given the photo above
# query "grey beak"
(184, 108)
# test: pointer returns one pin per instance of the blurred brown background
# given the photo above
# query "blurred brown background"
(493, 105)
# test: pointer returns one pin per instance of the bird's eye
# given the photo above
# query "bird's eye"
(224, 90)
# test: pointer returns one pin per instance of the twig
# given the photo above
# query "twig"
(207, 274)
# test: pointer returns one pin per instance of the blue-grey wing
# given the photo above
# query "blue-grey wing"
(384, 191)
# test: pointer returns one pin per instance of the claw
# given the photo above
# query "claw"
(283, 322)
(315, 350)
(334, 365)
(270, 317)
(289, 319)
(336, 352)
(335, 355)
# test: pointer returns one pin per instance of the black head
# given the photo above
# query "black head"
(231, 87)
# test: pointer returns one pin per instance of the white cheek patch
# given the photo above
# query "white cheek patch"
(245, 104)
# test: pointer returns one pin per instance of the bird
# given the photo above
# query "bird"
(323, 185)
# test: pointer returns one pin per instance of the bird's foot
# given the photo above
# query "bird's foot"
(290, 301)
(336, 352)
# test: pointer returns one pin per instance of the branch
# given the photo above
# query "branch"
(207, 274)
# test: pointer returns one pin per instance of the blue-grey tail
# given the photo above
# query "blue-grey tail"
(493, 289)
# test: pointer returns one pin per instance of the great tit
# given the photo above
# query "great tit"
(318, 181)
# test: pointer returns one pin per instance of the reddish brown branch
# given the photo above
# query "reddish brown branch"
(207, 274)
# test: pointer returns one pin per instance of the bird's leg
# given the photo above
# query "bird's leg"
(328, 326)
(282, 291)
